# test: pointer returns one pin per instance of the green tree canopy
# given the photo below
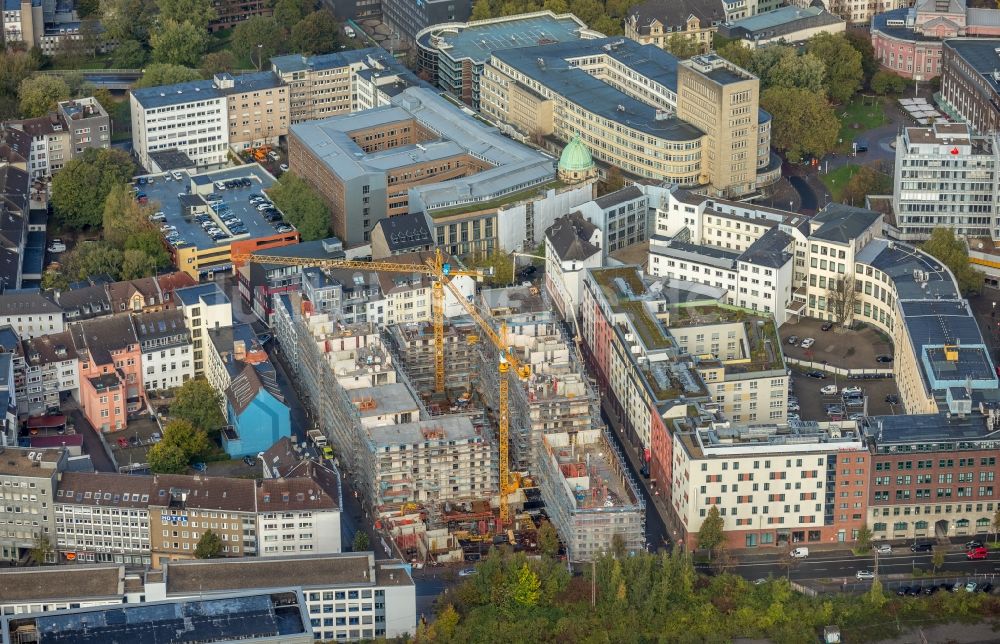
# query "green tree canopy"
(952, 252)
(844, 74)
(548, 539)
(302, 206)
(360, 543)
(257, 39)
(39, 94)
(316, 33)
(136, 264)
(198, 12)
(127, 19)
(885, 82)
(93, 258)
(80, 188)
(129, 54)
(711, 535)
(804, 123)
(182, 442)
(682, 46)
(126, 225)
(287, 13)
(15, 66)
(198, 403)
(805, 72)
(209, 546)
(219, 61)
(167, 458)
(178, 43)
(866, 181)
(862, 42)
(165, 74)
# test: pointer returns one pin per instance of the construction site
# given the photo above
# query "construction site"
(452, 464)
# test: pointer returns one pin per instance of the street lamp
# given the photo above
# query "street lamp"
(260, 58)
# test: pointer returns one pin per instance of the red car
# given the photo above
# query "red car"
(122, 442)
(977, 553)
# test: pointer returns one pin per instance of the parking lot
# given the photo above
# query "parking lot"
(813, 404)
(130, 445)
(854, 349)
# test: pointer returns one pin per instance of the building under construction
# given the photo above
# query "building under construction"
(414, 345)
(590, 496)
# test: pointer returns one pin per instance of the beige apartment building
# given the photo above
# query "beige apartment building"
(256, 108)
(722, 100)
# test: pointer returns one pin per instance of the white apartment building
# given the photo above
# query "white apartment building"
(50, 372)
(30, 314)
(167, 352)
(296, 516)
(189, 117)
(102, 518)
(205, 307)
(572, 245)
(27, 489)
(945, 176)
(770, 485)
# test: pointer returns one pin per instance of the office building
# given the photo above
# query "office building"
(928, 191)
(970, 90)
(656, 111)
(27, 518)
(257, 107)
(407, 19)
(454, 55)
(418, 153)
(24, 22)
(855, 12)
(191, 117)
(784, 25)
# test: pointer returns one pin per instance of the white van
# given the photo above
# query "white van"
(800, 553)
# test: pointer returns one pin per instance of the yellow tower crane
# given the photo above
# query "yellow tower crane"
(441, 273)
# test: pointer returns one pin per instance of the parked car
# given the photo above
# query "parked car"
(793, 417)
(220, 185)
(122, 442)
(808, 342)
(986, 588)
(957, 586)
(794, 407)
(274, 156)
(902, 591)
(283, 167)
(158, 216)
(793, 339)
(466, 572)
(971, 587)
(177, 175)
(199, 467)
(883, 549)
(892, 399)
(854, 401)
(975, 543)
(883, 359)
(818, 375)
(828, 390)
(855, 416)
(56, 246)
(930, 590)
(851, 391)
(826, 327)
(250, 460)
(799, 553)
(922, 546)
(863, 575)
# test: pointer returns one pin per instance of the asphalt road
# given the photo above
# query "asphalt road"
(92, 443)
(807, 195)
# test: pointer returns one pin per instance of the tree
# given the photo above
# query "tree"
(735, 52)
(129, 54)
(360, 543)
(875, 595)
(866, 181)
(198, 403)
(864, 540)
(178, 43)
(498, 267)
(805, 72)
(80, 188)
(682, 46)
(90, 259)
(996, 524)
(446, 622)
(123, 215)
(209, 546)
(127, 19)
(15, 66)
(257, 39)
(711, 535)
(803, 122)
(136, 264)
(885, 82)
(843, 65)
(198, 12)
(165, 74)
(841, 298)
(42, 550)
(86, 8)
(937, 559)
(150, 241)
(953, 253)
(39, 94)
(302, 206)
(526, 588)
(54, 280)
(167, 458)
(548, 540)
(218, 61)
(287, 13)
(316, 33)
(862, 42)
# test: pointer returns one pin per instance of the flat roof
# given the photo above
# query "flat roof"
(243, 616)
(389, 399)
(21, 585)
(477, 40)
(441, 428)
(307, 571)
(784, 20)
(943, 428)
(980, 54)
(171, 197)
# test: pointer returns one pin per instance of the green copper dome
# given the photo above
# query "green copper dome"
(575, 156)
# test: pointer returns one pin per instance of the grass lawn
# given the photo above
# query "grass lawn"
(856, 118)
(836, 180)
